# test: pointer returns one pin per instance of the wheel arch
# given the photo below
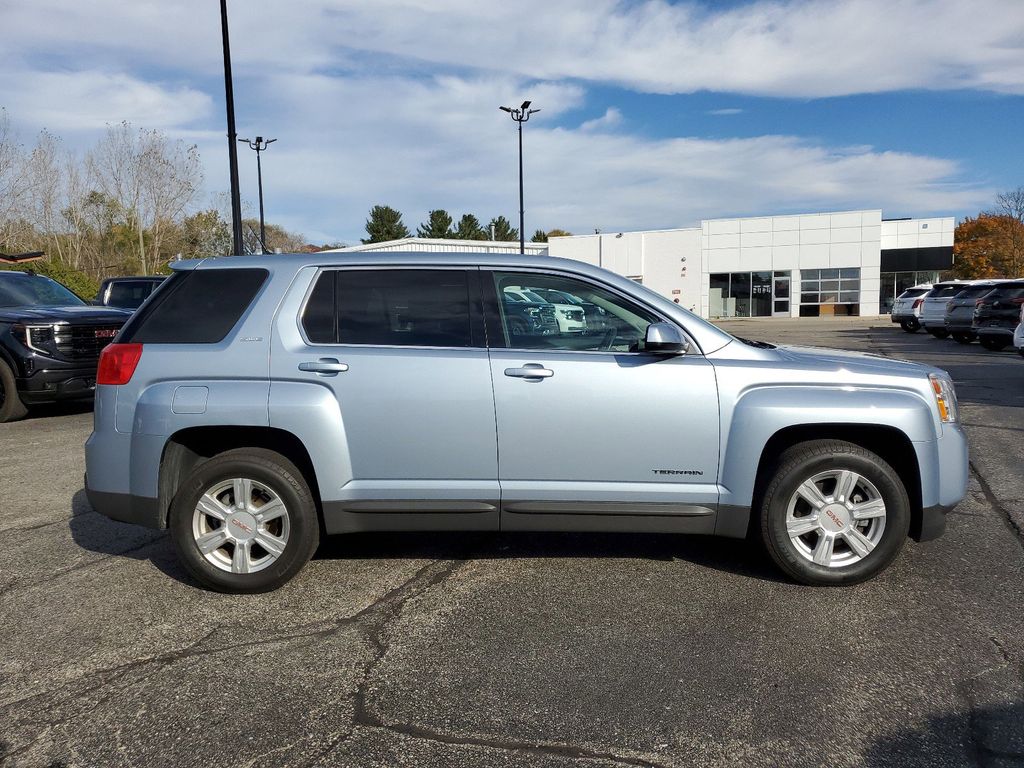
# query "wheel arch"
(188, 448)
(889, 443)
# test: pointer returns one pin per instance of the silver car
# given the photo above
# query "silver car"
(255, 403)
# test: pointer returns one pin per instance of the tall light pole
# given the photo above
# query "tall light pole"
(521, 115)
(229, 98)
(260, 145)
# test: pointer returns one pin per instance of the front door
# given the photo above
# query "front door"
(402, 352)
(592, 432)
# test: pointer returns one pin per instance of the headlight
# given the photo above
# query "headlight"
(38, 338)
(945, 398)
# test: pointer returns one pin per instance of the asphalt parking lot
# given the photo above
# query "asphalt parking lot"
(539, 650)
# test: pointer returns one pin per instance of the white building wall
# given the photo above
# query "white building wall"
(792, 243)
(918, 233)
(430, 245)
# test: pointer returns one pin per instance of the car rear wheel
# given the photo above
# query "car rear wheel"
(11, 407)
(910, 326)
(938, 333)
(833, 513)
(963, 338)
(244, 521)
(994, 343)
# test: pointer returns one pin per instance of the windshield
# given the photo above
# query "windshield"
(23, 290)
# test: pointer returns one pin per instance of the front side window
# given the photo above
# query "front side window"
(29, 290)
(597, 320)
(390, 307)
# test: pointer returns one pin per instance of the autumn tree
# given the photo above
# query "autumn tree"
(989, 245)
(469, 228)
(438, 225)
(385, 223)
(1010, 212)
(501, 228)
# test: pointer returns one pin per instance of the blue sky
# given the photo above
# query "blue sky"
(654, 114)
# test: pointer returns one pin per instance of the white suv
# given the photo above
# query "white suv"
(906, 310)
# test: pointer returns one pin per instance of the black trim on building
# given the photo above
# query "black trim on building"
(917, 259)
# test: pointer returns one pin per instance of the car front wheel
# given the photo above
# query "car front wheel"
(910, 326)
(833, 513)
(244, 521)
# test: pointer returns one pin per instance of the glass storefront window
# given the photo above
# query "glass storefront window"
(748, 294)
(829, 292)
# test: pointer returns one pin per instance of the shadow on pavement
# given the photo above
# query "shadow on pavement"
(96, 533)
(51, 410)
(984, 736)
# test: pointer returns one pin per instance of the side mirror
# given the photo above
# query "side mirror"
(665, 339)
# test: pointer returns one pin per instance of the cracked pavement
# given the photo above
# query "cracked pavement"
(528, 650)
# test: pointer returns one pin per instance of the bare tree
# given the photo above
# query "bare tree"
(1010, 207)
(152, 179)
(15, 226)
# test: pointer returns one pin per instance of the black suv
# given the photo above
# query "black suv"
(996, 314)
(50, 342)
(127, 292)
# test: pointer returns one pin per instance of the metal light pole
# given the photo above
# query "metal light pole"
(521, 115)
(260, 145)
(229, 98)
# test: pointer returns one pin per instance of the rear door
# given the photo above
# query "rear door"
(402, 352)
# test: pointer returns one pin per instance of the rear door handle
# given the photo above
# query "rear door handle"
(325, 366)
(530, 371)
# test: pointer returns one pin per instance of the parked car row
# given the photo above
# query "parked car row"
(991, 311)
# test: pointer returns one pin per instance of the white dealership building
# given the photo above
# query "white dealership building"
(804, 265)
(801, 265)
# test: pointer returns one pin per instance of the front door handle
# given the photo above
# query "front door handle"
(325, 366)
(534, 371)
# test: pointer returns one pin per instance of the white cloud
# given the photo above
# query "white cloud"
(384, 140)
(611, 118)
(90, 99)
(725, 111)
(395, 101)
(803, 48)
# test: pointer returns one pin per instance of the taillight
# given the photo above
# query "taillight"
(1018, 300)
(918, 303)
(117, 363)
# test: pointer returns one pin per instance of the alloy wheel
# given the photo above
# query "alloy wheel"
(835, 518)
(241, 525)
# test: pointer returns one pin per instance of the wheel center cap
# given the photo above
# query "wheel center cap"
(242, 525)
(835, 517)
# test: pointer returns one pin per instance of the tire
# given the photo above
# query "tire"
(938, 333)
(229, 568)
(910, 326)
(963, 338)
(993, 343)
(11, 407)
(517, 326)
(880, 536)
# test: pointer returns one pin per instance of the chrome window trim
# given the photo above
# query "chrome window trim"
(364, 268)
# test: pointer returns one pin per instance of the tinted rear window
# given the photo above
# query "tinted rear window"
(913, 293)
(390, 307)
(1014, 291)
(129, 295)
(944, 291)
(196, 307)
(974, 291)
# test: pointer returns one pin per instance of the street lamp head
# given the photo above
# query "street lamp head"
(533, 112)
(271, 141)
(506, 109)
(243, 141)
(526, 105)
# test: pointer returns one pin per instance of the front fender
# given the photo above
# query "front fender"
(761, 412)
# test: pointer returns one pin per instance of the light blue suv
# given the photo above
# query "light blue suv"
(253, 404)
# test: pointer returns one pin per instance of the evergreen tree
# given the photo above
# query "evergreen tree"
(469, 229)
(503, 229)
(437, 225)
(385, 223)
